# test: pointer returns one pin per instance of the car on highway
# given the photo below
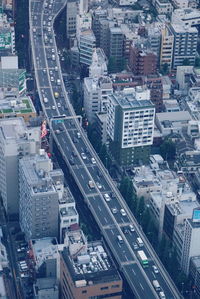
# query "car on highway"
(53, 107)
(131, 228)
(71, 161)
(114, 210)
(125, 230)
(51, 72)
(107, 197)
(83, 156)
(135, 246)
(99, 186)
(155, 269)
(59, 105)
(74, 154)
(162, 295)
(93, 161)
(52, 79)
(44, 71)
(123, 212)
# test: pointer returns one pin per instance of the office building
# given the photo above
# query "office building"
(142, 62)
(185, 44)
(130, 125)
(116, 46)
(46, 288)
(101, 126)
(186, 16)
(163, 6)
(87, 45)
(191, 240)
(86, 270)
(181, 4)
(7, 33)
(97, 15)
(194, 272)
(96, 92)
(39, 190)
(71, 21)
(98, 67)
(16, 141)
(166, 49)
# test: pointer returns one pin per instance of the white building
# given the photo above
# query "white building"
(98, 67)
(40, 188)
(181, 3)
(163, 6)
(67, 213)
(96, 92)
(186, 16)
(16, 141)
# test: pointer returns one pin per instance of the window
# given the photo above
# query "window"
(104, 288)
(84, 291)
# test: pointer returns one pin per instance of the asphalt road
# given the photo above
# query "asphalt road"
(82, 169)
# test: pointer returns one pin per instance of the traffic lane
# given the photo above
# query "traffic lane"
(83, 179)
(153, 276)
(121, 250)
(114, 204)
(94, 170)
(100, 210)
(139, 282)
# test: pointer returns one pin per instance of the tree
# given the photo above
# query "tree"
(111, 64)
(197, 62)
(164, 69)
(186, 61)
(93, 137)
(168, 149)
(140, 208)
(124, 185)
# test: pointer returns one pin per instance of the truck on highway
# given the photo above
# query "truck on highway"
(143, 258)
(56, 94)
(91, 184)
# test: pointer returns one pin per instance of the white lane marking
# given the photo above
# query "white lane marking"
(142, 287)
(133, 272)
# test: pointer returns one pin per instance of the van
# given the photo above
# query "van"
(140, 242)
(156, 285)
(119, 239)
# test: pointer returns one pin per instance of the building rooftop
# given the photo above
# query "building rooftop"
(128, 101)
(183, 207)
(196, 261)
(43, 249)
(46, 283)
(13, 106)
(92, 268)
(13, 129)
(10, 78)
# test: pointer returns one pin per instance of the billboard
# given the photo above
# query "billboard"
(5, 40)
(196, 215)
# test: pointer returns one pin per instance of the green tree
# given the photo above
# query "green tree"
(168, 149)
(186, 61)
(93, 137)
(124, 185)
(197, 62)
(164, 69)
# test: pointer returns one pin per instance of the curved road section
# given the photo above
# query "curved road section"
(78, 153)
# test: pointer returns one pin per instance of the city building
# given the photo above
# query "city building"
(7, 35)
(194, 272)
(116, 46)
(12, 82)
(180, 4)
(166, 49)
(22, 106)
(16, 141)
(87, 45)
(186, 16)
(101, 126)
(44, 258)
(87, 271)
(67, 213)
(191, 240)
(46, 288)
(97, 15)
(71, 21)
(185, 44)
(39, 190)
(142, 62)
(172, 122)
(163, 6)
(98, 67)
(3, 253)
(130, 125)
(96, 92)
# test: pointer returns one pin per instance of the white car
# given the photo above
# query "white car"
(53, 50)
(59, 105)
(99, 186)
(83, 156)
(52, 79)
(93, 160)
(114, 210)
(51, 72)
(155, 269)
(131, 228)
(53, 107)
(123, 212)
(107, 197)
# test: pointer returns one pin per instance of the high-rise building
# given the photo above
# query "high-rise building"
(97, 15)
(130, 125)
(16, 141)
(191, 240)
(87, 44)
(39, 190)
(71, 20)
(86, 270)
(142, 62)
(185, 44)
(166, 49)
(96, 92)
(116, 46)
(98, 67)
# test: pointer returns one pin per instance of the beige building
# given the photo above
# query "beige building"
(166, 50)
